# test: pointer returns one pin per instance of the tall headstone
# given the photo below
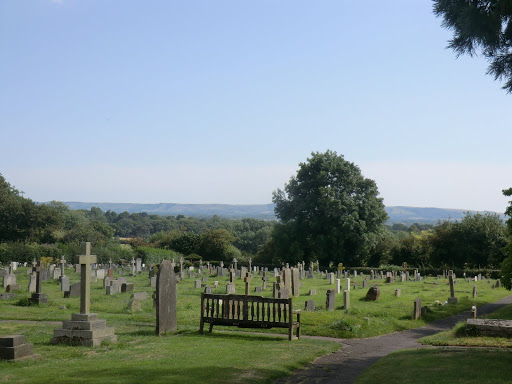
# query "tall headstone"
(166, 299)
(452, 299)
(295, 282)
(346, 299)
(417, 309)
(330, 299)
(39, 297)
(32, 284)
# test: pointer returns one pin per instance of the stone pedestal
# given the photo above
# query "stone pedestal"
(453, 300)
(39, 298)
(13, 347)
(84, 329)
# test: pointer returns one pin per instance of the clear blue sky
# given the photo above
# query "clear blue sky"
(219, 101)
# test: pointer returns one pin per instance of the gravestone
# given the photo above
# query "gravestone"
(398, 292)
(32, 284)
(312, 292)
(14, 348)
(365, 283)
(74, 290)
(331, 278)
(39, 297)
(166, 299)
(284, 293)
(84, 328)
(100, 274)
(9, 280)
(287, 274)
(138, 265)
(474, 291)
(373, 293)
(126, 287)
(197, 284)
(258, 289)
(230, 289)
(348, 284)
(208, 289)
(417, 309)
(330, 300)
(247, 281)
(346, 299)
(113, 288)
(338, 286)
(452, 299)
(309, 305)
(64, 284)
(295, 282)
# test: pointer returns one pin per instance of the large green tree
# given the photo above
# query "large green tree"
(481, 26)
(327, 212)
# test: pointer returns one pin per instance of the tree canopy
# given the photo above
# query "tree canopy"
(327, 212)
(481, 26)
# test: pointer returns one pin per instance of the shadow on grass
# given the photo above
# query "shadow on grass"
(237, 335)
(148, 372)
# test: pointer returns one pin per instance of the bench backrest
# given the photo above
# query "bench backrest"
(246, 309)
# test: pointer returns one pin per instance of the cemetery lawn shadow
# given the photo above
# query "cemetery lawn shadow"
(184, 357)
(441, 366)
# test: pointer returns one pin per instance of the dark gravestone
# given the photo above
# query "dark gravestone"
(166, 299)
(74, 290)
(258, 289)
(373, 293)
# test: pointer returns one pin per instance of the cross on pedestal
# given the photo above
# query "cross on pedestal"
(85, 260)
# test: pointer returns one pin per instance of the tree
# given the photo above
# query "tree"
(328, 212)
(481, 25)
(506, 266)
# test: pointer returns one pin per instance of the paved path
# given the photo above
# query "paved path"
(356, 355)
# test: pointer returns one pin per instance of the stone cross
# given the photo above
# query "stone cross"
(85, 260)
(250, 264)
(247, 280)
(452, 288)
(39, 281)
(63, 266)
(235, 262)
(110, 264)
(181, 264)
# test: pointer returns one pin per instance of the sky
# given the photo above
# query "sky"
(202, 102)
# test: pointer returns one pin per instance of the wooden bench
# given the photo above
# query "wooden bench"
(249, 312)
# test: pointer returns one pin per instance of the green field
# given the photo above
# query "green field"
(223, 356)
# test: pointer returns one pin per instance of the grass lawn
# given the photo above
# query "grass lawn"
(220, 357)
(441, 366)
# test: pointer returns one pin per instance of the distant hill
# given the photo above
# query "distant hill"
(404, 215)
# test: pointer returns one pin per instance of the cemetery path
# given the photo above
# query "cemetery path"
(356, 355)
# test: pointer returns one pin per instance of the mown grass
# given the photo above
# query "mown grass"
(364, 319)
(220, 357)
(140, 356)
(441, 366)
(461, 335)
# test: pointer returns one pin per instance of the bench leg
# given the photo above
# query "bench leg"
(211, 327)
